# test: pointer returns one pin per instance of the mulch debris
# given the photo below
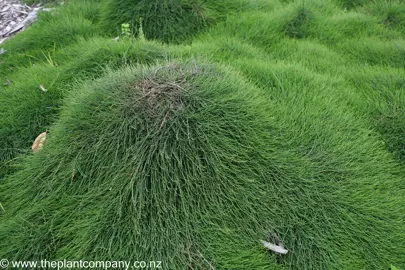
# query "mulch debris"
(15, 17)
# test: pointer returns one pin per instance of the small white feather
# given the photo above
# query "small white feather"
(275, 248)
(42, 88)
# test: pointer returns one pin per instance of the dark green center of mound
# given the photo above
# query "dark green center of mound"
(170, 21)
(297, 27)
(165, 20)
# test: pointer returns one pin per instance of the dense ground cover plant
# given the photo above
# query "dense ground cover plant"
(270, 117)
(171, 21)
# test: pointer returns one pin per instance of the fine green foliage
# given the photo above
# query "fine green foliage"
(226, 123)
(140, 150)
(348, 4)
(390, 13)
(138, 120)
(296, 27)
(30, 111)
(170, 21)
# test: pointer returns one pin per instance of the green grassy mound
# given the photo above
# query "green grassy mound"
(161, 115)
(28, 110)
(170, 21)
(188, 163)
(296, 128)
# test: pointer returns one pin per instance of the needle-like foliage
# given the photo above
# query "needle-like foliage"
(188, 164)
(170, 21)
(291, 128)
